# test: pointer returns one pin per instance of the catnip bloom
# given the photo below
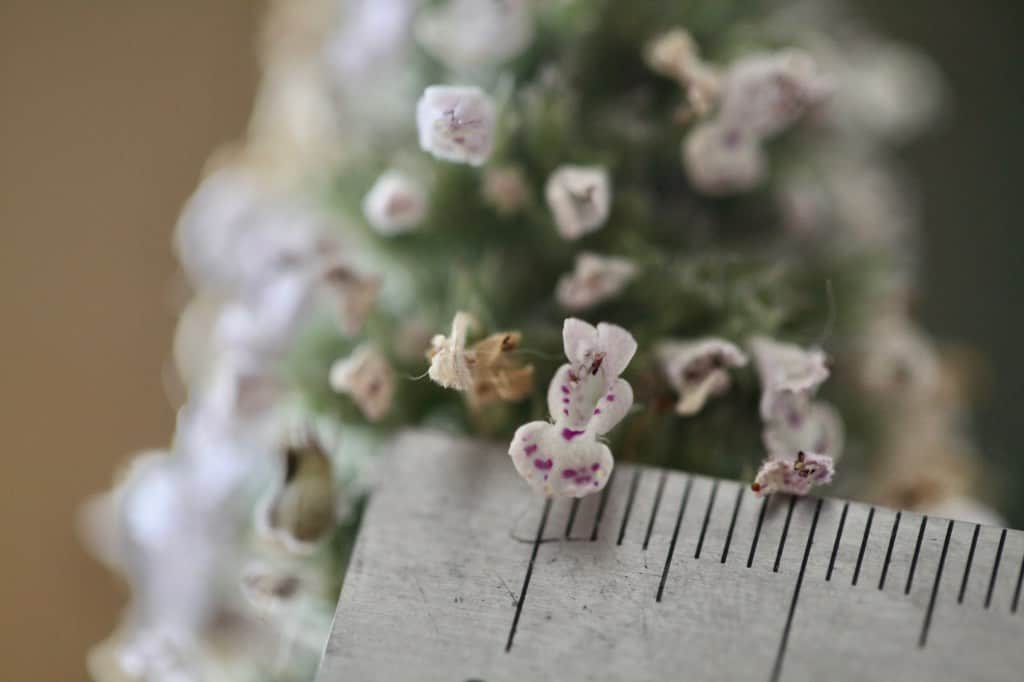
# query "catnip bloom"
(395, 204)
(698, 370)
(765, 94)
(456, 123)
(586, 399)
(816, 428)
(467, 34)
(488, 371)
(368, 379)
(721, 160)
(762, 95)
(795, 477)
(788, 373)
(579, 198)
(803, 437)
(594, 280)
(674, 54)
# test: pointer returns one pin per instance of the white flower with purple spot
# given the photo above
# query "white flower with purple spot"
(456, 123)
(787, 370)
(698, 370)
(796, 476)
(586, 399)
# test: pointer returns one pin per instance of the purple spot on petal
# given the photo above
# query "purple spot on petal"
(595, 484)
(530, 449)
(565, 389)
(569, 434)
(545, 477)
(583, 479)
(568, 473)
(595, 466)
(543, 465)
(565, 412)
(597, 410)
(610, 397)
(565, 401)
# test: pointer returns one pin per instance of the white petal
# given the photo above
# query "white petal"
(555, 466)
(785, 368)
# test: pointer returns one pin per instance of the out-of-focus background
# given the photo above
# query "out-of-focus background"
(108, 110)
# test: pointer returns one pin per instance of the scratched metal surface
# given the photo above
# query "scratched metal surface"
(460, 574)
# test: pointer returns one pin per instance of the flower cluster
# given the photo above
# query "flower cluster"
(487, 168)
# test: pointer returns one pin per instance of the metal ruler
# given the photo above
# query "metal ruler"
(461, 574)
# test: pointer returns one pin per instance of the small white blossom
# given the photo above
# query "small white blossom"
(595, 279)
(580, 199)
(765, 94)
(456, 123)
(721, 159)
(366, 376)
(762, 96)
(795, 477)
(897, 363)
(698, 370)
(674, 54)
(449, 364)
(586, 399)
(396, 203)
(464, 34)
(803, 437)
(787, 371)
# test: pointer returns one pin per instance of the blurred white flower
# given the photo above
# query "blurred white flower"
(897, 363)
(788, 373)
(468, 34)
(236, 232)
(765, 94)
(367, 378)
(793, 428)
(595, 279)
(579, 198)
(396, 203)
(887, 90)
(353, 295)
(698, 370)
(586, 399)
(456, 123)
(720, 159)
(762, 96)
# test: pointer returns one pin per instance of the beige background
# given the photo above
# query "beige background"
(107, 111)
